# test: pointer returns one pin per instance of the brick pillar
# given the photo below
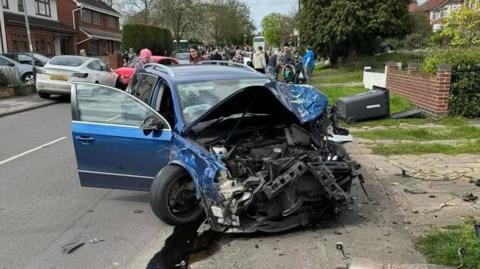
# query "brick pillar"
(443, 83)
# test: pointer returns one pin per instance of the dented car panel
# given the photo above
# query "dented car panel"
(265, 157)
(270, 180)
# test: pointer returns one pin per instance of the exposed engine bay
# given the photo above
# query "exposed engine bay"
(279, 176)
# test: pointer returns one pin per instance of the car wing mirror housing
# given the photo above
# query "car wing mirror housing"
(152, 124)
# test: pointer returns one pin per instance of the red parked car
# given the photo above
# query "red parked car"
(125, 73)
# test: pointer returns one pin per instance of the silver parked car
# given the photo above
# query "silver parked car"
(25, 71)
(58, 74)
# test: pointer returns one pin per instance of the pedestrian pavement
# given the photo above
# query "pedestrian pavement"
(18, 104)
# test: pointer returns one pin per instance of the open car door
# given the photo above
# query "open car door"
(120, 142)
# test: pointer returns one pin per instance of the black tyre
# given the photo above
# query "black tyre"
(44, 95)
(172, 197)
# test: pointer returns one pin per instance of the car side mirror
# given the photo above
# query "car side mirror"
(11, 64)
(151, 124)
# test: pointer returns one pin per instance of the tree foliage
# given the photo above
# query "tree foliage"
(277, 28)
(139, 36)
(229, 22)
(339, 27)
(212, 21)
(461, 29)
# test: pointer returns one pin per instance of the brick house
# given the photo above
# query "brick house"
(49, 36)
(96, 22)
(437, 10)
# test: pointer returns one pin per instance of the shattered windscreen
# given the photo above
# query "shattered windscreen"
(197, 98)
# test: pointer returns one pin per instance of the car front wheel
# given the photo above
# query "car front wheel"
(28, 79)
(172, 197)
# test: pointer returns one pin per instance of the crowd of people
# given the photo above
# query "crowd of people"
(284, 65)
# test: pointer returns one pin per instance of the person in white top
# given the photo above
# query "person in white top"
(258, 61)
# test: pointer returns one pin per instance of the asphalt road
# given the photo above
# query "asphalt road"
(43, 207)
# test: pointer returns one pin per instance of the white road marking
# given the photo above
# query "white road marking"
(32, 150)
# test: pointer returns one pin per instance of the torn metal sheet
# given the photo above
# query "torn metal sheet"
(267, 159)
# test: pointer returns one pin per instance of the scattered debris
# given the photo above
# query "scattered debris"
(432, 196)
(415, 211)
(340, 248)
(461, 254)
(96, 240)
(256, 246)
(71, 247)
(404, 173)
(469, 197)
(415, 190)
(362, 216)
(337, 232)
(477, 182)
(138, 211)
(91, 210)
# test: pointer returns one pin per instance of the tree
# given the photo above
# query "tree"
(461, 29)
(136, 11)
(229, 22)
(277, 28)
(341, 27)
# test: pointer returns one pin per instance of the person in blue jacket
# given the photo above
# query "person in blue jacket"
(309, 64)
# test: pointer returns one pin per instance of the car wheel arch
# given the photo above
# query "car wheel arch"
(189, 171)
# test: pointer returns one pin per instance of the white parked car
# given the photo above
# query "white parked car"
(183, 58)
(247, 58)
(57, 75)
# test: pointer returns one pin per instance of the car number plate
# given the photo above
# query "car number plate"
(59, 77)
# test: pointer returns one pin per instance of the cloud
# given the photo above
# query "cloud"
(261, 8)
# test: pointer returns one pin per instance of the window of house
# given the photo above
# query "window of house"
(20, 6)
(96, 18)
(86, 15)
(5, 4)
(42, 8)
(111, 22)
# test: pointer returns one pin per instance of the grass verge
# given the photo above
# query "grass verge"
(422, 134)
(334, 94)
(440, 246)
(331, 76)
(418, 149)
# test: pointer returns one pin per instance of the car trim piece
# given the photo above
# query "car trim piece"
(113, 174)
(76, 114)
(110, 124)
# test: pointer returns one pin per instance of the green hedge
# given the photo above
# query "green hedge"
(465, 90)
(139, 36)
(379, 60)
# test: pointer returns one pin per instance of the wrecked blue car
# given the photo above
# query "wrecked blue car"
(219, 141)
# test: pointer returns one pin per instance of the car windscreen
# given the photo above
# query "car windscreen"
(182, 56)
(68, 61)
(41, 57)
(199, 97)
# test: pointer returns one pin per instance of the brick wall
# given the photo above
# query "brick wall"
(429, 92)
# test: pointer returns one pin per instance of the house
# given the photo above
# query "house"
(49, 36)
(96, 22)
(437, 10)
(475, 4)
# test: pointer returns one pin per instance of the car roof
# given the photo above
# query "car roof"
(206, 72)
(73, 56)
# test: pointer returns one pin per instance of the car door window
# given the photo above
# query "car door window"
(103, 66)
(24, 59)
(95, 65)
(101, 104)
(167, 62)
(143, 86)
(4, 62)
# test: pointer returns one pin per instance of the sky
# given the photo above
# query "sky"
(261, 8)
